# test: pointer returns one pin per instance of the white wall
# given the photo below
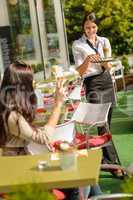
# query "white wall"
(4, 21)
(4, 18)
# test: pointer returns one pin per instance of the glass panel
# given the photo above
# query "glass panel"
(51, 29)
(21, 29)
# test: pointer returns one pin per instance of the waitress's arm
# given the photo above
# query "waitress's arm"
(81, 63)
(84, 66)
(107, 66)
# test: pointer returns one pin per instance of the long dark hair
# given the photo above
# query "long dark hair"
(17, 94)
(91, 17)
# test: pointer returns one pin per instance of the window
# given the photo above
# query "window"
(21, 29)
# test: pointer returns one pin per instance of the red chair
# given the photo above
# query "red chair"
(81, 141)
(92, 141)
(41, 110)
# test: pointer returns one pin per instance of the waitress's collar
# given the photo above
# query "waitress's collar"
(85, 38)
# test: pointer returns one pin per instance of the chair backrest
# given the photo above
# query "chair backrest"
(76, 93)
(63, 132)
(117, 72)
(92, 114)
(118, 69)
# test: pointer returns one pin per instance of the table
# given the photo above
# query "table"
(21, 170)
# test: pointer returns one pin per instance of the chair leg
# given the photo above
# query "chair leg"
(124, 84)
(115, 92)
(118, 159)
(114, 148)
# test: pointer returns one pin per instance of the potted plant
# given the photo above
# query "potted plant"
(125, 64)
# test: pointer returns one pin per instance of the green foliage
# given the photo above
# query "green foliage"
(125, 64)
(127, 185)
(74, 11)
(30, 192)
(53, 61)
(49, 16)
(115, 21)
(20, 18)
(37, 67)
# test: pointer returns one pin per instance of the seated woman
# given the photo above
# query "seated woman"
(17, 111)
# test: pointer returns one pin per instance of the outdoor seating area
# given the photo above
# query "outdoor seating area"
(122, 121)
(79, 121)
(66, 100)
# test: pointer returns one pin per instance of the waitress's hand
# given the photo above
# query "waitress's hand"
(93, 58)
(107, 65)
(84, 68)
(61, 91)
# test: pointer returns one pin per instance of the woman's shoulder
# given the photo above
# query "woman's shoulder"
(102, 39)
(13, 117)
(78, 41)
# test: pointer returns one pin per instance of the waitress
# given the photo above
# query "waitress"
(87, 52)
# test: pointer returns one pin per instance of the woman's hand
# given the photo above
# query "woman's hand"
(60, 96)
(107, 65)
(93, 58)
(84, 67)
(61, 90)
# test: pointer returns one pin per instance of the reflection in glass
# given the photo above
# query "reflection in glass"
(20, 21)
(51, 29)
